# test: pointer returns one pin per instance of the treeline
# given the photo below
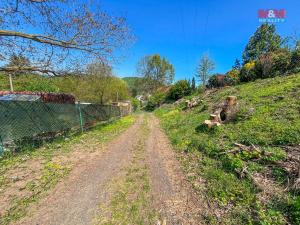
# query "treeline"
(266, 55)
(96, 85)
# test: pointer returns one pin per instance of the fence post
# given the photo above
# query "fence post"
(1, 147)
(80, 116)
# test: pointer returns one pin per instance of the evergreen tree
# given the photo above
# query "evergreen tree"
(237, 65)
(264, 40)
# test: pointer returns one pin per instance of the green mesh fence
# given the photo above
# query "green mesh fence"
(20, 119)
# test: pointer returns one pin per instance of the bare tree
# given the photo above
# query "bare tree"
(204, 68)
(58, 35)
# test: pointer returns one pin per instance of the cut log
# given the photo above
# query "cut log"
(211, 124)
(214, 118)
(231, 100)
(208, 123)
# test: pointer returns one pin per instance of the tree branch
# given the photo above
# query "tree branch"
(27, 69)
(45, 40)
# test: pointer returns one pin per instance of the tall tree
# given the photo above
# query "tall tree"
(237, 65)
(58, 35)
(18, 61)
(156, 71)
(204, 68)
(264, 40)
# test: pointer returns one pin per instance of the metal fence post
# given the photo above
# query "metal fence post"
(1, 146)
(80, 116)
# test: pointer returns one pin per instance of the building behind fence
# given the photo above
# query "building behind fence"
(21, 120)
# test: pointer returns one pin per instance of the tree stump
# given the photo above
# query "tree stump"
(231, 100)
(214, 118)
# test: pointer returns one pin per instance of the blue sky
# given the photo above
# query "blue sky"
(183, 30)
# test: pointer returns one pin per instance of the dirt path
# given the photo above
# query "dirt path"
(76, 200)
(172, 194)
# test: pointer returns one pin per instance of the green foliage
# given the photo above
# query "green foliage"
(135, 85)
(180, 89)
(226, 188)
(237, 65)
(295, 210)
(268, 116)
(135, 104)
(247, 72)
(281, 62)
(155, 101)
(88, 88)
(156, 71)
(295, 60)
(264, 40)
(29, 82)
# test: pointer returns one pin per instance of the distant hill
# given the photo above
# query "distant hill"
(132, 83)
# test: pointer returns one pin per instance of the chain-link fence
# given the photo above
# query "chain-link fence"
(21, 120)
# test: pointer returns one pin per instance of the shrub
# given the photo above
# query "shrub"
(263, 67)
(281, 62)
(233, 76)
(135, 104)
(155, 101)
(295, 210)
(180, 89)
(295, 61)
(219, 80)
(248, 72)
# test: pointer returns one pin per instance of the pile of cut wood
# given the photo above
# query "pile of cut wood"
(224, 112)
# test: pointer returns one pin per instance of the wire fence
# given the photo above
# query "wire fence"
(23, 120)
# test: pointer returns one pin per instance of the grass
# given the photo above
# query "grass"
(130, 202)
(268, 117)
(53, 170)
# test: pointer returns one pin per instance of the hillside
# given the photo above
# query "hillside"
(259, 182)
(133, 83)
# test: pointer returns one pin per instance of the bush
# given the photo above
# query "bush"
(263, 67)
(219, 80)
(155, 101)
(135, 104)
(269, 65)
(248, 72)
(281, 62)
(295, 210)
(295, 61)
(233, 76)
(180, 89)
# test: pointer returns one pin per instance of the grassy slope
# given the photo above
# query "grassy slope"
(269, 116)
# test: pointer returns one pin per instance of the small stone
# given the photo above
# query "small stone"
(67, 139)
(58, 146)
(15, 178)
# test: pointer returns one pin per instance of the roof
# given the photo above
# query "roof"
(20, 97)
